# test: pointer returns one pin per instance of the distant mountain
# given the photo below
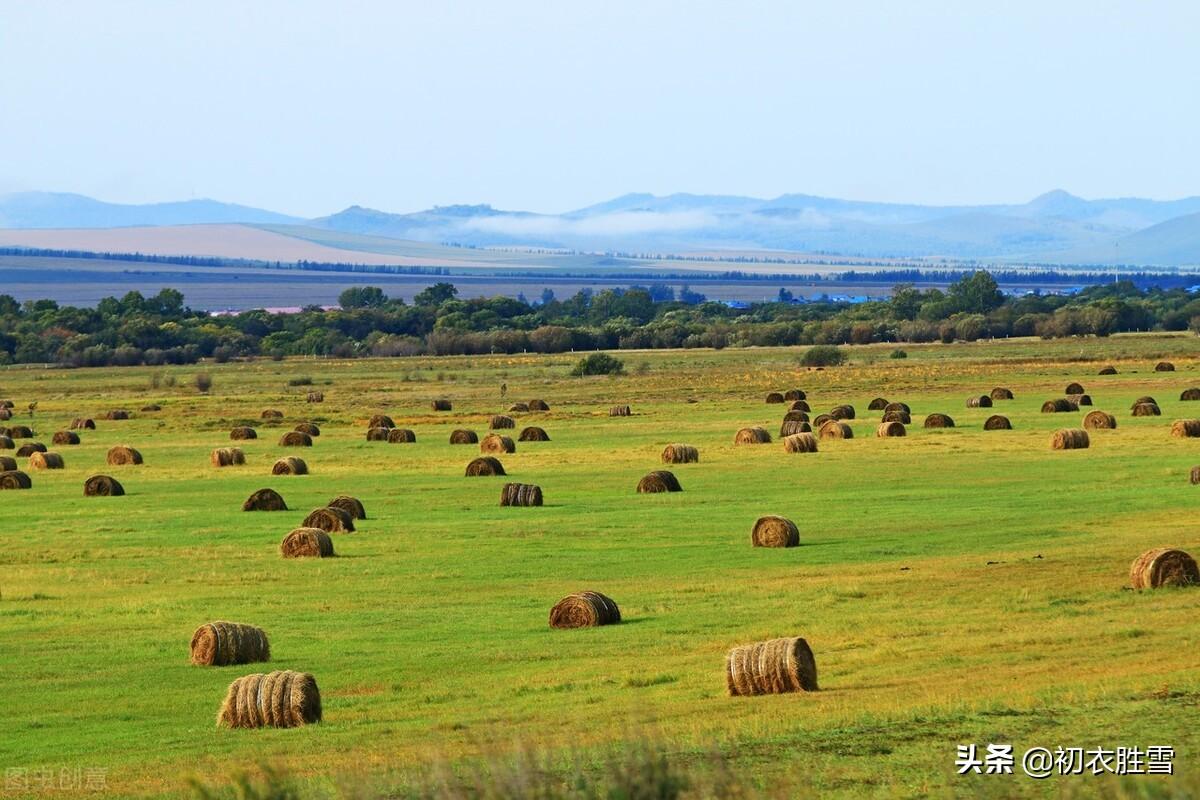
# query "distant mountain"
(56, 210)
(1174, 243)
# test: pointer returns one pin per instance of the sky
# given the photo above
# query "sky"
(309, 107)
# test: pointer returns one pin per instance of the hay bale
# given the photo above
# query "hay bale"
(351, 505)
(495, 443)
(5, 415)
(997, 422)
(776, 666)
(83, 423)
(518, 408)
(890, 429)
(903, 417)
(1074, 388)
(308, 428)
(791, 427)
(378, 434)
(1109, 370)
(295, 439)
(315, 397)
(271, 413)
(485, 466)
(1081, 399)
(800, 405)
(1000, 393)
(680, 454)
(280, 699)
(118, 414)
(7, 463)
(1146, 410)
(152, 407)
(659, 481)
(774, 397)
(878, 404)
(819, 420)
(1059, 406)
(20, 432)
(6, 443)
(620, 411)
(306, 543)
(29, 448)
(832, 429)
(752, 436)
(381, 421)
(45, 461)
(1161, 567)
(794, 394)
(1144, 399)
(7, 404)
(402, 436)
(1099, 420)
(584, 610)
(1185, 428)
(1195, 476)
(442, 404)
(795, 416)
(219, 644)
(773, 531)
(264, 500)
(501, 422)
(803, 442)
(842, 412)
(242, 433)
(982, 401)
(289, 465)
(461, 436)
(533, 434)
(1069, 439)
(330, 520)
(520, 494)
(65, 438)
(897, 406)
(103, 486)
(939, 421)
(14, 479)
(1164, 366)
(538, 405)
(1190, 394)
(227, 457)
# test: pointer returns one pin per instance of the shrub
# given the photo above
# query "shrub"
(276, 355)
(301, 381)
(204, 382)
(222, 354)
(823, 355)
(898, 353)
(599, 364)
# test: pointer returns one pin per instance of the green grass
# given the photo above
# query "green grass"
(956, 586)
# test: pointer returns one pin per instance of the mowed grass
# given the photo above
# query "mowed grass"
(956, 586)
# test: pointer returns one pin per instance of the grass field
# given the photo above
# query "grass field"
(956, 586)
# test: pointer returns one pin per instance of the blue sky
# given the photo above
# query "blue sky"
(308, 107)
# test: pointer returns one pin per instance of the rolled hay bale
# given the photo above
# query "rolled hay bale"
(306, 543)
(1164, 366)
(45, 461)
(29, 448)
(5, 415)
(533, 434)
(982, 401)
(1059, 406)
(271, 413)
(117, 414)
(1163, 566)
(620, 411)
(1146, 410)
(7, 463)
(520, 494)
(939, 421)
(7, 404)
(539, 405)
(794, 394)
(227, 457)
(1144, 399)
(242, 433)
(1074, 388)
(800, 405)
(1109, 370)
(381, 421)
(14, 479)
(501, 422)
(997, 422)
(1195, 476)
(461, 436)
(1185, 428)
(659, 481)
(1081, 399)
(1069, 439)
(220, 644)
(485, 466)
(315, 397)
(832, 429)
(308, 428)
(752, 436)
(351, 505)
(801, 442)
(774, 397)
(775, 666)
(103, 486)
(903, 417)
(795, 416)
(1190, 394)
(773, 531)
(20, 432)
(842, 412)
(378, 434)
(152, 407)
(83, 423)
(280, 699)
(402, 436)
(897, 406)
(792, 427)
(6, 443)
(65, 438)
(330, 520)
(1099, 420)
(680, 454)
(519, 408)
(289, 465)
(584, 610)
(878, 404)
(442, 404)
(295, 439)
(890, 429)
(264, 500)
(1000, 393)
(495, 443)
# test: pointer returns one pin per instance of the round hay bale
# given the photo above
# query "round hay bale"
(533, 434)
(306, 543)
(351, 505)
(584, 610)
(402, 436)
(890, 429)
(776, 666)
(773, 531)
(1000, 393)
(381, 421)
(1059, 406)
(1144, 399)
(20, 432)
(330, 520)
(520, 494)
(752, 436)
(82, 424)
(65, 438)
(903, 417)
(1069, 439)
(794, 394)
(289, 465)
(832, 429)
(680, 454)
(152, 407)
(29, 448)
(219, 644)
(1081, 399)
(1161, 567)
(792, 427)
(795, 416)
(774, 397)
(495, 443)
(1146, 410)
(1099, 420)
(241, 433)
(6, 443)
(227, 457)
(501, 422)
(7, 463)
(878, 404)
(1190, 394)
(659, 481)
(897, 406)
(800, 405)
(982, 401)
(442, 404)
(538, 405)
(315, 397)
(1109, 370)
(308, 428)
(14, 479)
(295, 439)
(485, 466)
(939, 421)
(997, 422)
(7, 404)
(801, 442)
(271, 413)
(842, 412)
(1185, 428)
(1164, 366)
(45, 461)
(518, 408)
(378, 434)
(1074, 388)
(280, 699)
(5, 415)
(620, 411)
(103, 486)
(265, 500)
(461, 436)
(117, 414)
(1195, 476)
